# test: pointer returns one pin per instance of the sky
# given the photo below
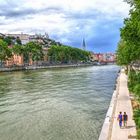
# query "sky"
(67, 21)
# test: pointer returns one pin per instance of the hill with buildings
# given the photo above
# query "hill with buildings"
(24, 49)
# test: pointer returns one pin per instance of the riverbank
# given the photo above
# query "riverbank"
(108, 122)
(120, 102)
(42, 67)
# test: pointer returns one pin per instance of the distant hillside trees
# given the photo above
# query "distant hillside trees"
(33, 51)
(66, 54)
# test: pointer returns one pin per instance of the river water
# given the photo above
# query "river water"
(56, 104)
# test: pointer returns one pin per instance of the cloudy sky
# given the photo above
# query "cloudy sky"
(67, 21)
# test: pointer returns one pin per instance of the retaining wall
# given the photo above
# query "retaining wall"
(108, 122)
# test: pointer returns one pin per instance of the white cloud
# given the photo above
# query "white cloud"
(63, 18)
(58, 20)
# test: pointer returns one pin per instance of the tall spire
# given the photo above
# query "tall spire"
(84, 44)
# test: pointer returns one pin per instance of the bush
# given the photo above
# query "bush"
(133, 81)
(137, 117)
(138, 134)
(137, 90)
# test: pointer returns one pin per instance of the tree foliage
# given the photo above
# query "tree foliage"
(123, 57)
(5, 52)
(18, 41)
(8, 40)
(33, 50)
(57, 53)
(18, 49)
(130, 34)
(66, 54)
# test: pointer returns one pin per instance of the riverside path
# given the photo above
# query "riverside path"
(123, 105)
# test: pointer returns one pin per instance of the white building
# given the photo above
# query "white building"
(23, 37)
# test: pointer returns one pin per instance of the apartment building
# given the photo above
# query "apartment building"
(23, 37)
(104, 57)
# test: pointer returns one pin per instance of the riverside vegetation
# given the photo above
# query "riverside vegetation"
(56, 54)
(128, 54)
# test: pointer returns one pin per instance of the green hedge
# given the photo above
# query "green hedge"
(134, 87)
(137, 121)
(134, 82)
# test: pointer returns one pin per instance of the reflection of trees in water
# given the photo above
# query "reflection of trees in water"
(18, 81)
(4, 85)
(25, 80)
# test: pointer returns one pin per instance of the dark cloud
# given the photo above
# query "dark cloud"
(101, 38)
(13, 13)
(12, 9)
(15, 10)
(82, 15)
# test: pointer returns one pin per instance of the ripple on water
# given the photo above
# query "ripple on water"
(59, 104)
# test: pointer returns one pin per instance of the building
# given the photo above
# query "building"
(84, 44)
(110, 57)
(23, 37)
(104, 57)
(45, 51)
(2, 35)
(15, 60)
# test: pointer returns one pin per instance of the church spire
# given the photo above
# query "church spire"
(84, 44)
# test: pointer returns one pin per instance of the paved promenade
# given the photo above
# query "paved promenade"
(124, 105)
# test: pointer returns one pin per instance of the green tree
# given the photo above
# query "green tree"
(34, 51)
(18, 41)
(123, 53)
(66, 54)
(5, 52)
(129, 52)
(18, 49)
(9, 40)
(130, 33)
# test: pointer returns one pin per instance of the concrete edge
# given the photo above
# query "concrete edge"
(42, 67)
(106, 130)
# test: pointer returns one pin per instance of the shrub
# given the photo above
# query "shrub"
(133, 80)
(137, 117)
(138, 134)
(137, 90)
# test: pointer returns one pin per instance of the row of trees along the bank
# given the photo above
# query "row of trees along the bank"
(66, 54)
(34, 50)
(31, 50)
(128, 53)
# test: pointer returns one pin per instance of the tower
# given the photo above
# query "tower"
(84, 44)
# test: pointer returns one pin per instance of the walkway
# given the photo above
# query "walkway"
(124, 105)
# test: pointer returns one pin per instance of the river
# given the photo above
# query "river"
(55, 104)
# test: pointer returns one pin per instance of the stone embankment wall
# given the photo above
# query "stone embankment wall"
(108, 122)
(42, 67)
